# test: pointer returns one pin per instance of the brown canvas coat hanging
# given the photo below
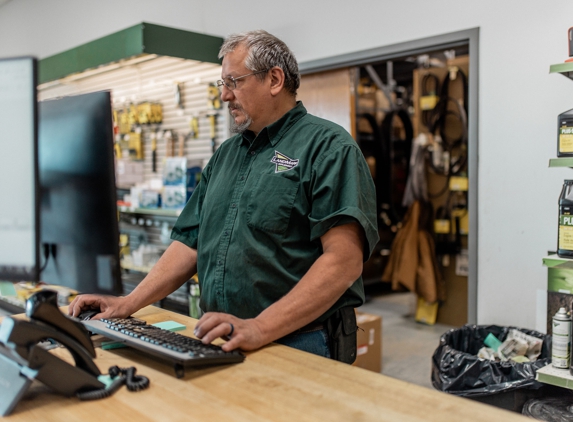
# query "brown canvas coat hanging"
(412, 264)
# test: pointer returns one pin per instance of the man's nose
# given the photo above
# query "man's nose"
(226, 93)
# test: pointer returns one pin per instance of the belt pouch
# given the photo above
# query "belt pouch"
(341, 327)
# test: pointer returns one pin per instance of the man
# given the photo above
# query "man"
(280, 224)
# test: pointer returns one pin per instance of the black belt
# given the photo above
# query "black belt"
(308, 328)
(313, 326)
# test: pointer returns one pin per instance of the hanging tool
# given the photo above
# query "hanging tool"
(213, 126)
(213, 103)
(179, 95)
(181, 152)
(213, 97)
(154, 152)
(194, 127)
(169, 146)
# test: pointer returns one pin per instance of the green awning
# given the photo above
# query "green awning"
(143, 38)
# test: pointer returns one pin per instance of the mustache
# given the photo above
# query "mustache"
(235, 106)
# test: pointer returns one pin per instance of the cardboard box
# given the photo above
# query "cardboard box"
(369, 342)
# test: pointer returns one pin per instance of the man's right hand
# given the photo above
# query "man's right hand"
(109, 306)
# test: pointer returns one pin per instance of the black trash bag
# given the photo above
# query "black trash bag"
(456, 369)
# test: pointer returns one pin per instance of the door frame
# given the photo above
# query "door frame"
(420, 46)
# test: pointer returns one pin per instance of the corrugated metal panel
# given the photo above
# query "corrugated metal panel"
(155, 80)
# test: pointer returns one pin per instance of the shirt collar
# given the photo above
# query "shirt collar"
(275, 131)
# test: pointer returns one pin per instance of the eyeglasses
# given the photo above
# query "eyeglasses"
(231, 83)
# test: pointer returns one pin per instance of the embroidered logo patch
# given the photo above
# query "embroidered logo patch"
(283, 163)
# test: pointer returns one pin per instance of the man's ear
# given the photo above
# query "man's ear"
(277, 80)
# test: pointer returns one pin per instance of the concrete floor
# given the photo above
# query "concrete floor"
(407, 346)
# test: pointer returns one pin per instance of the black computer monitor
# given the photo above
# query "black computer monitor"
(19, 222)
(78, 208)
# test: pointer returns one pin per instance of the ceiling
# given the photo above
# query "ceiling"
(3, 2)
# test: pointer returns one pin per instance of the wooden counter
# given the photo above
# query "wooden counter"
(276, 383)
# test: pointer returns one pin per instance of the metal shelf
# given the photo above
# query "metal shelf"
(555, 376)
(128, 265)
(566, 69)
(150, 211)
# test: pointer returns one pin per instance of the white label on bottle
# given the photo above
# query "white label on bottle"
(561, 348)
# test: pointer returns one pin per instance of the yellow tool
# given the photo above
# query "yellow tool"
(194, 127)
(135, 145)
(213, 97)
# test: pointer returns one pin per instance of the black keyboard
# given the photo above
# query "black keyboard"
(177, 349)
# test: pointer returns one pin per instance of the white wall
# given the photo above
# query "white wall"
(518, 100)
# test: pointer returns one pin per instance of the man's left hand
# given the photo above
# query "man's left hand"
(244, 334)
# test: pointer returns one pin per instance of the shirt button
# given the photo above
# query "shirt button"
(233, 205)
(242, 178)
(253, 152)
(219, 262)
(226, 233)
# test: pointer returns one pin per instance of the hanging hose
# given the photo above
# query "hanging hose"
(376, 149)
(429, 77)
(456, 149)
(390, 155)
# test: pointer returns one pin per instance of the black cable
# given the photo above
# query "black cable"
(122, 376)
(376, 148)
(438, 124)
(426, 114)
(438, 113)
(46, 247)
(443, 190)
(388, 141)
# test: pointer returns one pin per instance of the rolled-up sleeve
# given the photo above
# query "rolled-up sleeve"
(186, 228)
(342, 192)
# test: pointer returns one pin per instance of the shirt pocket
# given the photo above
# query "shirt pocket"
(271, 202)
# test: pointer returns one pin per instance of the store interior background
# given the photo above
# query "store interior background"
(518, 99)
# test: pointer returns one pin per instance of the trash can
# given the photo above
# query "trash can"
(457, 370)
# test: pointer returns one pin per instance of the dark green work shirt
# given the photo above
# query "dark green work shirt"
(263, 203)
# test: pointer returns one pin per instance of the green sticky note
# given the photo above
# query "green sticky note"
(170, 325)
(7, 289)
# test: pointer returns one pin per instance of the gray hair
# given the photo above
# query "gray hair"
(264, 52)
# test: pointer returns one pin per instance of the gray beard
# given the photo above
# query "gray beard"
(240, 128)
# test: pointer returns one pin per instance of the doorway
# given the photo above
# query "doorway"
(380, 90)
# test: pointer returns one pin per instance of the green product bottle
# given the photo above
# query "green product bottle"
(565, 234)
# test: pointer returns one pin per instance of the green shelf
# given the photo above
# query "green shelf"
(559, 274)
(555, 376)
(561, 162)
(554, 260)
(566, 69)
